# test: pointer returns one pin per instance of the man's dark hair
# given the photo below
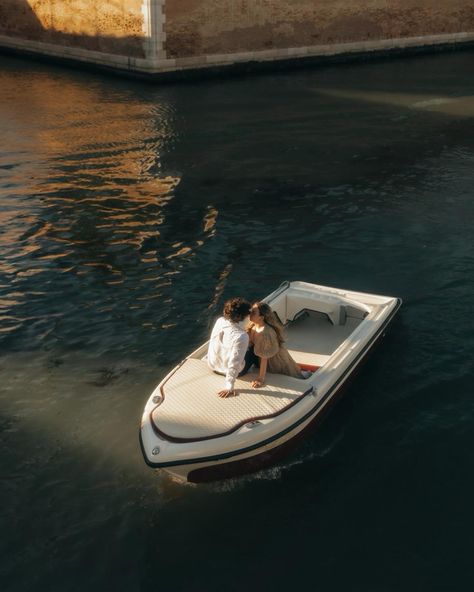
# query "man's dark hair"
(236, 309)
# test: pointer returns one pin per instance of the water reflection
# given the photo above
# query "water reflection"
(95, 204)
(122, 204)
(129, 213)
(445, 105)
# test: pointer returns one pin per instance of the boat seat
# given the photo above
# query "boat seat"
(191, 409)
(308, 358)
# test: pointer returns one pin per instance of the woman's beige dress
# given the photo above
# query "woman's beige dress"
(279, 360)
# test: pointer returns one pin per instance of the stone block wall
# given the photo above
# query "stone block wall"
(207, 27)
(152, 37)
(108, 26)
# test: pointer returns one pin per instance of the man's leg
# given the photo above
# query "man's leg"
(250, 360)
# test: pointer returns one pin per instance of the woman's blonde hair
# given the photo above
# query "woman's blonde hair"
(271, 320)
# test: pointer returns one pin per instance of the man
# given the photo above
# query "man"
(229, 344)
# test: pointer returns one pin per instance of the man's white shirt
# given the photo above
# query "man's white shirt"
(227, 349)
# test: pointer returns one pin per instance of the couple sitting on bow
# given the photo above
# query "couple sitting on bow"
(233, 349)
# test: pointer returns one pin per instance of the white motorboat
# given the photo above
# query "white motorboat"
(190, 432)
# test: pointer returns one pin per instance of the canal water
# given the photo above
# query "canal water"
(129, 212)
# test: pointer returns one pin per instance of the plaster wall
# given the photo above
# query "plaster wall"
(208, 27)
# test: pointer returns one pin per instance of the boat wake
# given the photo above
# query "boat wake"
(274, 473)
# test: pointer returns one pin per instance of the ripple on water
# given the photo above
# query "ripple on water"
(129, 213)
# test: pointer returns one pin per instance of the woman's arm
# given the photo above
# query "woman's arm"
(261, 376)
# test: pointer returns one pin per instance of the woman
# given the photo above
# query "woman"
(266, 337)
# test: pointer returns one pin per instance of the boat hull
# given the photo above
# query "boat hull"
(270, 451)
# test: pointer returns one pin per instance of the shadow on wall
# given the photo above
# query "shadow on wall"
(123, 36)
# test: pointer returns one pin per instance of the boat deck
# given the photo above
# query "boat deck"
(192, 411)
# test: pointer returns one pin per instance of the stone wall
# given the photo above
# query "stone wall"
(207, 27)
(153, 37)
(114, 27)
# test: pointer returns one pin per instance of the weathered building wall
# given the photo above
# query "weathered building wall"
(114, 27)
(156, 36)
(207, 27)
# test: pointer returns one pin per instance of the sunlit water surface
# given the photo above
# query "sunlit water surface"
(129, 212)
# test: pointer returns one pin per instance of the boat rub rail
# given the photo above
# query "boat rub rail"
(313, 411)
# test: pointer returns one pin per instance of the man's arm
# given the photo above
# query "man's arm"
(239, 349)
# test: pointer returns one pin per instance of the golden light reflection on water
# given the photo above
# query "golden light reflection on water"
(219, 289)
(210, 219)
(88, 197)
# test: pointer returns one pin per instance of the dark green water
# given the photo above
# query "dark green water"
(128, 214)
